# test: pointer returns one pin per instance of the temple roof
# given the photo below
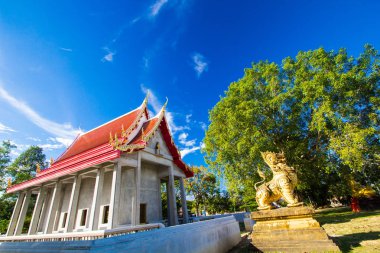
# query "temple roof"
(132, 132)
(100, 134)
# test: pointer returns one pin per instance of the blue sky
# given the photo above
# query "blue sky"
(69, 66)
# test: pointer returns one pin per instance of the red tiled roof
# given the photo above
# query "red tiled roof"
(94, 146)
(101, 134)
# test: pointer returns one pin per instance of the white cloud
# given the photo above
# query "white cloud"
(187, 151)
(182, 138)
(109, 56)
(33, 139)
(64, 133)
(200, 63)
(156, 7)
(49, 146)
(66, 49)
(188, 116)
(4, 128)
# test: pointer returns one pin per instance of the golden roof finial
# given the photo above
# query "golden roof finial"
(166, 103)
(123, 132)
(9, 182)
(111, 139)
(38, 168)
(146, 97)
(51, 160)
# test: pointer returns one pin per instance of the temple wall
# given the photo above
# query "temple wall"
(106, 192)
(44, 215)
(85, 198)
(178, 172)
(158, 138)
(149, 192)
(127, 193)
(64, 205)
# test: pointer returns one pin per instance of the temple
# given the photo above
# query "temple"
(110, 177)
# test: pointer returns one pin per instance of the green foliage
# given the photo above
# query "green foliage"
(5, 151)
(21, 169)
(321, 108)
(202, 186)
(24, 166)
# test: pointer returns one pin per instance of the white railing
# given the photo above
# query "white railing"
(81, 236)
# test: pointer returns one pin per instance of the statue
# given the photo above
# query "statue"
(282, 184)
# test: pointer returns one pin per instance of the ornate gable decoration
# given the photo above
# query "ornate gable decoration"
(148, 129)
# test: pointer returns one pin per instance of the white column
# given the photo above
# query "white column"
(113, 219)
(52, 209)
(173, 206)
(24, 209)
(45, 207)
(73, 204)
(183, 201)
(37, 211)
(136, 220)
(98, 189)
(15, 214)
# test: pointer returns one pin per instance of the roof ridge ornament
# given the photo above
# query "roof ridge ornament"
(145, 102)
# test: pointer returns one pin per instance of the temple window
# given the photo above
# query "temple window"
(64, 219)
(83, 217)
(105, 212)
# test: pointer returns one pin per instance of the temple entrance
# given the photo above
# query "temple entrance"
(143, 214)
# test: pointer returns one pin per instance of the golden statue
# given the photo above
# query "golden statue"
(282, 184)
(38, 168)
(9, 182)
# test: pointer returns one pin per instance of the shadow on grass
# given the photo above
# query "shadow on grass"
(351, 241)
(341, 216)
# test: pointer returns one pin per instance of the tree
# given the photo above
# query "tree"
(21, 169)
(25, 165)
(5, 159)
(202, 186)
(321, 108)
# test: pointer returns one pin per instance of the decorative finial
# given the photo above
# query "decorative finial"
(38, 168)
(9, 182)
(166, 103)
(51, 160)
(111, 139)
(123, 132)
(146, 97)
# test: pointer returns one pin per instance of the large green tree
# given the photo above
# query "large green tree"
(321, 108)
(21, 169)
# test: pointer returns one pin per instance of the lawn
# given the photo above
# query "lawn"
(352, 232)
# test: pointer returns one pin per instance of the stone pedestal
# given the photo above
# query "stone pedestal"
(289, 230)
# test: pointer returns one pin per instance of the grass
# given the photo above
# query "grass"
(352, 232)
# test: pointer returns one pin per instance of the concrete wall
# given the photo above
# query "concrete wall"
(45, 208)
(213, 236)
(127, 193)
(150, 194)
(158, 138)
(86, 194)
(63, 205)
(106, 192)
